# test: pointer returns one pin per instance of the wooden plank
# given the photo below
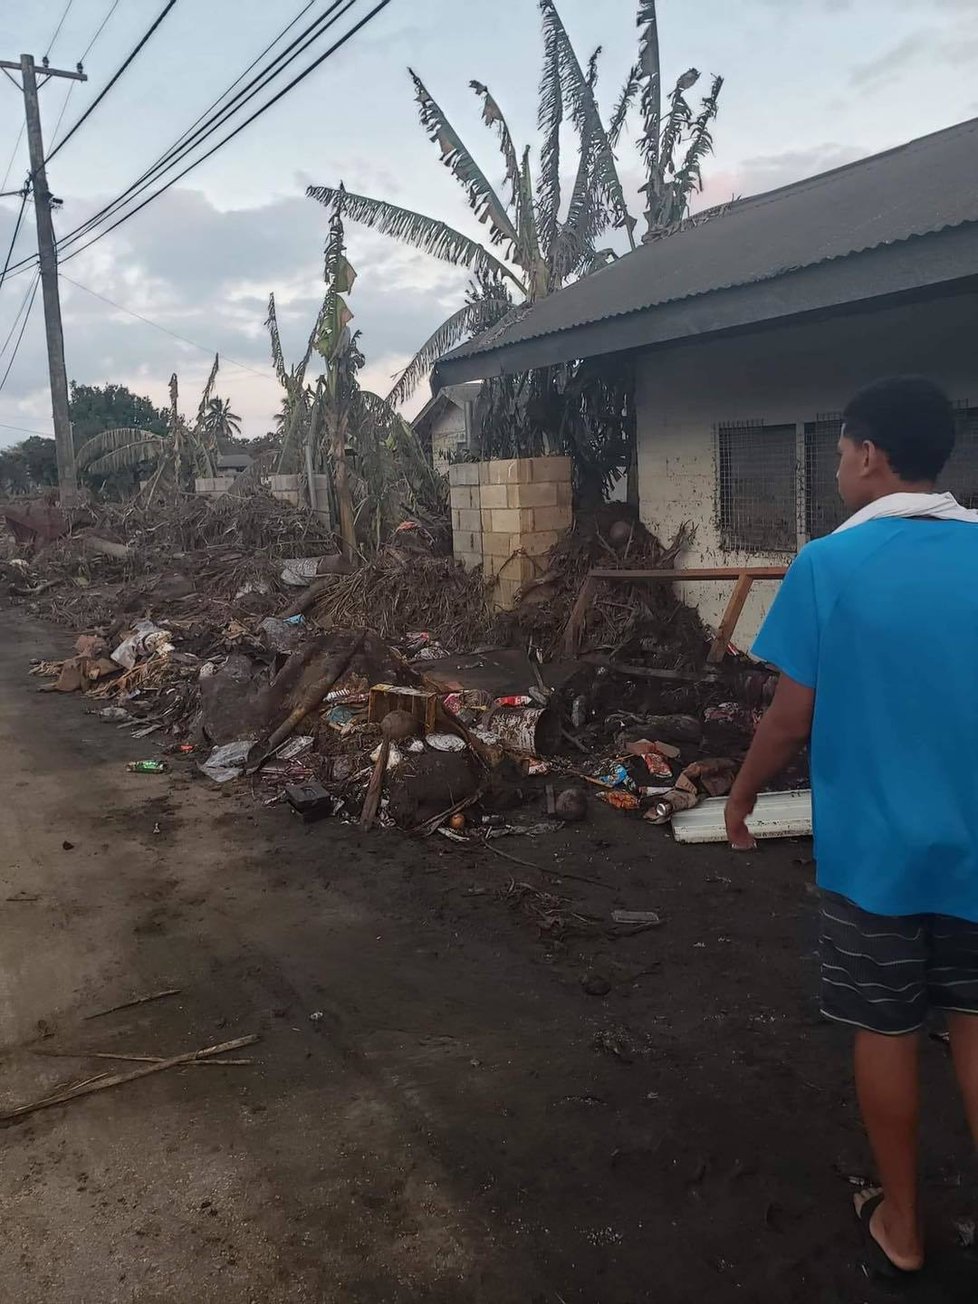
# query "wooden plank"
(730, 617)
(575, 622)
(694, 573)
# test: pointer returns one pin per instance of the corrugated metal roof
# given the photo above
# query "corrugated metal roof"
(926, 186)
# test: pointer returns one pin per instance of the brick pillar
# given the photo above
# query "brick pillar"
(465, 498)
(526, 504)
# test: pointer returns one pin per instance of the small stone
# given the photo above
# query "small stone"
(595, 984)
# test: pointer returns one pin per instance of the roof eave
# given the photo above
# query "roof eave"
(938, 263)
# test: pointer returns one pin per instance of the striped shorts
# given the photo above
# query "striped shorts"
(884, 972)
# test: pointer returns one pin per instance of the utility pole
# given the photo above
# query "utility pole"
(48, 257)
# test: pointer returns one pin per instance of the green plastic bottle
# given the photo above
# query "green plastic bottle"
(146, 767)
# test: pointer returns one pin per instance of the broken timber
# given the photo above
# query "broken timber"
(743, 577)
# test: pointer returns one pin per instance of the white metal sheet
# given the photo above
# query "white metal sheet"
(776, 815)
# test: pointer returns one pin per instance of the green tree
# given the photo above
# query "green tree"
(14, 478)
(219, 422)
(40, 461)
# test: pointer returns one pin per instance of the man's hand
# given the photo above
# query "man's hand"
(780, 735)
(735, 815)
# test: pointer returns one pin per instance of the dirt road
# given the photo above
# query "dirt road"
(438, 1109)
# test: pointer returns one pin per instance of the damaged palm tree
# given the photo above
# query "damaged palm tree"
(538, 238)
(175, 458)
(370, 454)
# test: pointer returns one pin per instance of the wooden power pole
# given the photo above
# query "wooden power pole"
(48, 257)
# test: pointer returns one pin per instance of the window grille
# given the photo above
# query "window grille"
(756, 467)
(960, 475)
(824, 509)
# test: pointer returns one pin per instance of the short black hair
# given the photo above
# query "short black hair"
(910, 418)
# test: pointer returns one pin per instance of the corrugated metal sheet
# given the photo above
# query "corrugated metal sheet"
(777, 815)
(919, 188)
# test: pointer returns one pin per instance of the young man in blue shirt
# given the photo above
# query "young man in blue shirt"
(875, 632)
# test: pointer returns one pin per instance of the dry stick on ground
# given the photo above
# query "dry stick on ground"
(554, 873)
(136, 1059)
(103, 1082)
(140, 1000)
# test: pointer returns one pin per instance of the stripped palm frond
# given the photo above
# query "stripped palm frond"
(592, 68)
(550, 117)
(128, 456)
(421, 232)
(689, 176)
(678, 120)
(205, 397)
(492, 116)
(111, 441)
(587, 119)
(472, 319)
(626, 99)
(278, 357)
(535, 265)
(483, 200)
(587, 217)
(650, 78)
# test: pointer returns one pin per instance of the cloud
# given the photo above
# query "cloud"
(205, 274)
(889, 65)
(762, 172)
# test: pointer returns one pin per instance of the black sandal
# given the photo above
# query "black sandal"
(879, 1261)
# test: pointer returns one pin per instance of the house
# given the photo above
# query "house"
(233, 463)
(750, 327)
(444, 424)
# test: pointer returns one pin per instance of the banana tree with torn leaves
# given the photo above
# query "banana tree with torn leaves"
(171, 460)
(538, 237)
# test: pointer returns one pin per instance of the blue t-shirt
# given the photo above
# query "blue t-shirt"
(882, 622)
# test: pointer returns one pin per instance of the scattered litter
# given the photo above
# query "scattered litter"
(445, 742)
(146, 767)
(146, 638)
(714, 777)
(317, 1016)
(228, 761)
(310, 800)
(114, 714)
(619, 799)
(295, 747)
(636, 917)
(965, 1228)
(618, 777)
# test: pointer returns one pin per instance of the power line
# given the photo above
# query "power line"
(13, 239)
(247, 122)
(57, 30)
(211, 120)
(23, 305)
(102, 27)
(23, 327)
(20, 137)
(112, 80)
(165, 329)
(74, 236)
(27, 430)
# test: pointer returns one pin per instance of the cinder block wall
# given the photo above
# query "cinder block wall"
(507, 514)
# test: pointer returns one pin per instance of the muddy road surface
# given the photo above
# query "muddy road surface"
(466, 1088)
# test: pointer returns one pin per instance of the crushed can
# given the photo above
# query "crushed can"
(146, 767)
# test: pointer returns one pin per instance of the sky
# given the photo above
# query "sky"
(809, 85)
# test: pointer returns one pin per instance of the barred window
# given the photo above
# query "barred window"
(960, 475)
(824, 509)
(756, 466)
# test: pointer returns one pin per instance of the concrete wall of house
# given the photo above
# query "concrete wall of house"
(447, 437)
(781, 376)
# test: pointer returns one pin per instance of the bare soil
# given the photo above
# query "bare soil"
(443, 1105)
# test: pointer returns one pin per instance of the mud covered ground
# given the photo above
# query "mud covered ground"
(443, 1105)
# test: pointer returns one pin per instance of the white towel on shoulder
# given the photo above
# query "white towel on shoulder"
(942, 507)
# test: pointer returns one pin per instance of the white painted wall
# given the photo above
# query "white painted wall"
(447, 435)
(785, 375)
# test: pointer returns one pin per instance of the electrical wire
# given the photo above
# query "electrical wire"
(112, 80)
(23, 327)
(191, 137)
(23, 305)
(13, 239)
(57, 30)
(73, 236)
(13, 155)
(104, 24)
(248, 121)
(165, 329)
(26, 430)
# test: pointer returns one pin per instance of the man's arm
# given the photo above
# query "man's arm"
(782, 733)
